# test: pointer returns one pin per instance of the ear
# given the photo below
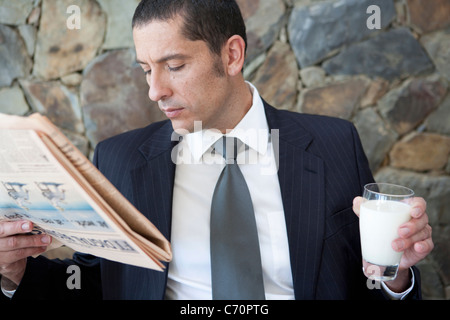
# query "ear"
(235, 55)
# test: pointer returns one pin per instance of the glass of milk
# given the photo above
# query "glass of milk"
(384, 209)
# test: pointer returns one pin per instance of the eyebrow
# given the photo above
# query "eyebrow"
(175, 56)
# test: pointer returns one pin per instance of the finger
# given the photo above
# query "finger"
(24, 241)
(13, 256)
(413, 226)
(405, 243)
(424, 247)
(9, 228)
(419, 207)
(357, 205)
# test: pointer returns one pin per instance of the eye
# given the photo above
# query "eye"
(148, 72)
(174, 69)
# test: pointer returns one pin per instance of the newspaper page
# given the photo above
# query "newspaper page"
(41, 182)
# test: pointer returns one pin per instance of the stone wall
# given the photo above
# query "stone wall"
(309, 56)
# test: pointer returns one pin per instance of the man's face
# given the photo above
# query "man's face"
(185, 78)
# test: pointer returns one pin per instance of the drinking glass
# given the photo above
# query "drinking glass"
(384, 208)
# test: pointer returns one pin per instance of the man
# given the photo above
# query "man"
(192, 53)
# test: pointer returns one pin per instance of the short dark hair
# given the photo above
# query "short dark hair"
(213, 21)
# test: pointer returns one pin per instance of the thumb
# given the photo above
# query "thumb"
(357, 204)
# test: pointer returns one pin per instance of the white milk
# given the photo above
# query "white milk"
(378, 223)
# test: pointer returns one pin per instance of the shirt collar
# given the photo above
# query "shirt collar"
(252, 130)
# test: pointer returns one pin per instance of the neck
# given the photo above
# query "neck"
(241, 101)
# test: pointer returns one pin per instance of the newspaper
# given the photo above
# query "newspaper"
(44, 178)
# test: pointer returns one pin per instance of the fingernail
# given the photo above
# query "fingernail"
(403, 232)
(421, 247)
(398, 245)
(45, 239)
(26, 226)
(415, 212)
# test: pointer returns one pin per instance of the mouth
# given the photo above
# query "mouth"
(172, 112)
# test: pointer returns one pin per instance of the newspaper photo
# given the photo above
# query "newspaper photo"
(45, 179)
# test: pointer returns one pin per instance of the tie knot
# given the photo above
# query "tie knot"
(228, 147)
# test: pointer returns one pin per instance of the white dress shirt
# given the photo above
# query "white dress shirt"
(196, 174)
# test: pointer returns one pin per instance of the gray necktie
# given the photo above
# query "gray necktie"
(236, 271)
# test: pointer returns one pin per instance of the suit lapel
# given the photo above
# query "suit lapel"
(301, 177)
(153, 181)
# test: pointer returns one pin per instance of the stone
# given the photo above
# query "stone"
(318, 29)
(437, 45)
(15, 12)
(435, 189)
(252, 66)
(28, 33)
(339, 99)
(277, 78)
(421, 152)
(390, 55)
(34, 16)
(376, 137)
(73, 79)
(402, 15)
(312, 76)
(12, 101)
(378, 88)
(14, 60)
(263, 20)
(55, 101)
(118, 32)
(439, 120)
(426, 16)
(407, 106)
(61, 50)
(114, 96)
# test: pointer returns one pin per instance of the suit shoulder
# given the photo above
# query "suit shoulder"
(320, 124)
(133, 137)
(315, 119)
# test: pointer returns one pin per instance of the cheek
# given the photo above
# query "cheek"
(189, 92)
(201, 93)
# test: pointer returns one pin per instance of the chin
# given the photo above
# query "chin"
(182, 127)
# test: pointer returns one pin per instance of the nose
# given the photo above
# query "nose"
(159, 88)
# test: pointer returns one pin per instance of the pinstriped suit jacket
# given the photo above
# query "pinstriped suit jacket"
(322, 167)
